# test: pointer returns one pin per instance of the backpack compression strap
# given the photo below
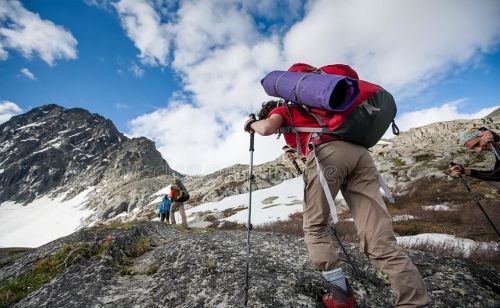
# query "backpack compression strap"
(292, 129)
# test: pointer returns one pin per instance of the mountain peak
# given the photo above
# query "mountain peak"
(52, 148)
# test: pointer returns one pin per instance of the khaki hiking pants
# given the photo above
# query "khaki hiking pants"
(350, 168)
(178, 206)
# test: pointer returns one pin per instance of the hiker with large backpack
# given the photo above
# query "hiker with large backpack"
(178, 195)
(334, 135)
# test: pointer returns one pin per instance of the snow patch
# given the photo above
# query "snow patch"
(30, 125)
(279, 209)
(162, 192)
(29, 139)
(43, 220)
(438, 207)
(403, 217)
(2, 170)
(463, 244)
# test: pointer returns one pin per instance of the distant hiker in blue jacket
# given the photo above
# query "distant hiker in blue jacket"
(164, 209)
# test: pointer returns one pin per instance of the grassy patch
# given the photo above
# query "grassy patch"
(209, 264)
(210, 217)
(413, 227)
(233, 210)
(293, 202)
(291, 227)
(116, 225)
(477, 253)
(138, 247)
(269, 200)
(270, 206)
(42, 272)
(182, 228)
(423, 157)
(398, 162)
(8, 255)
(152, 269)
(125, 269)
(231, 225)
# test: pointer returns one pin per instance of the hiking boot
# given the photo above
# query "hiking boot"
(338, 298)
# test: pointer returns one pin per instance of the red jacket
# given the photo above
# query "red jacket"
(173, 194)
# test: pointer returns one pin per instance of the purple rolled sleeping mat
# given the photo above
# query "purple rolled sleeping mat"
(326, 91)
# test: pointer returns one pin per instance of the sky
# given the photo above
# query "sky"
(186, 74)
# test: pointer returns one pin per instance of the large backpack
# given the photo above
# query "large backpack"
(182, 193)
(350, 109)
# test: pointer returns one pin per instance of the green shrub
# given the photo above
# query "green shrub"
(152, 269)
(125, 269)
(398, 162)
(138, 247)
(209, 264)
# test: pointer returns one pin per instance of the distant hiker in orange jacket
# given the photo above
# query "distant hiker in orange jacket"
(176, 205)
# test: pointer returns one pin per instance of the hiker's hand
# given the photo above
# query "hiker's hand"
(486, 138)
(292, 155)
(248, 125)
(458, 170)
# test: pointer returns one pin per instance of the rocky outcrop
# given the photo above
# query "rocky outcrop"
(156, 265)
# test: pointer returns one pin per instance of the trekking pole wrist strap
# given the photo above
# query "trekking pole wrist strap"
(248, 127)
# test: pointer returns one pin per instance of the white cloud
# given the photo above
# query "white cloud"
(8, 110)
(26, 72)
(220, 52)
(3, 53)
(27, 33)
(121, 106)
(101, 4)
(136, 70)
(446, 112)
(144, 28)
(396, 43)
(195, 141)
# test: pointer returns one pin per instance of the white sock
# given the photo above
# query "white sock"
(336, 277)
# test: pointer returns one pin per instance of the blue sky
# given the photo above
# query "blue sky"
(186, 73)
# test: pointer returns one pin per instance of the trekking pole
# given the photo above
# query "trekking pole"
(477, 202)
(354, 268)
(297, 167)
(358, 273)
(249, 223)
(495, 150)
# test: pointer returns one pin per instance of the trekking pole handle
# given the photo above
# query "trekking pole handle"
(495, 150)
(452, 164)
(252, 134)
(294, 162)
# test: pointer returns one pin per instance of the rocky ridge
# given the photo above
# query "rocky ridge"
(155, 265)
